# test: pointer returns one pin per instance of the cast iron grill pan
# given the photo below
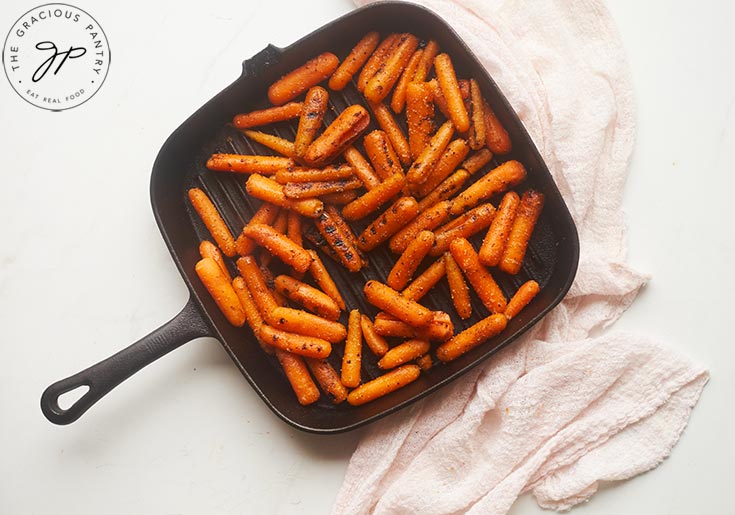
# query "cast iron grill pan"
(551, 258)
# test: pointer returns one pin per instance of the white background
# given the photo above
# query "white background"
(84, 272)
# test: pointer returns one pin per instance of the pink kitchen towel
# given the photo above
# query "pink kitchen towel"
(570, 404)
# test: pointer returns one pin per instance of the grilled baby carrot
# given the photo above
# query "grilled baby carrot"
(445, 190)
(450, 89)
(383, 385)
(449, 161)
(477, 137)
(426, 281)
(302, 78)
(479, 277)
(298, 375)
(388, 299)
(376, 60)
(212, 221)
(496, 181)
(382, 155)
(267, 165)
(352, 358)
(265, 214)
(300, 174)
(280, 145)
(354, 60)
(308, 346)
(207, 249)
(494, 242)
(419, 171)
(279, 245)
(312, 299)
(267, 116)
(320, 274)
(380, 84)
(328, 379)
(529, 209)
(471, 337)
(345, 129)
(374, 198)
(522, 297)
(410, 260)
(403, 353)
(270, 191)
(310, 121)
(470, 223)
(398, 100)
(458, 289)
(498, 139)
(301, 322)
(477, 160)
(374, 341)
(301, 190)
(388, 223)
(428, 220)
(361, 168)
(419, 116)
(393, 131)
(220, 288)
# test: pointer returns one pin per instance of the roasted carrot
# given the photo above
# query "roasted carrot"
(477, 160)
(388, 223)
(339, 199)
(458, 288)
(320, 274)
(470, 223)
(440, 329)
(252, 315)
(265, 214)
(267, 116)
(498, 139)
(354, 60)
(267, 165)
(374, 198)
(212, 221)
(450, 89)
(419, 171)
(403, 353)
(361, 167)
(448, 163)
(328, 173)
(345, 129)
(298, 321)
(310, 121)
(380, 84)
(257, 285)
(393, 131)
(270, 191)
(427, 61)
(293, 231)
(398, 100)
(280, 145)
(529, 209)
(298, 375)
(388, 299)
(220, 288)
(374, 341)
(471, 337)
(521, 299)
(376, 60)
(441, 102)
(382, 155)
(340, 239)
(445, 190)
(419, 116)
(494, 242)
(302, 78)
(312, 299)
(477, 135)
(496, 181)
(307, 346)
(426, 281)
(352, 358)
(383, 385)
(328, 379)
(207, 249)
(410, 260)
(479, 277)
(279, 245)
(428, 220)
(425, 362)
(300, 190)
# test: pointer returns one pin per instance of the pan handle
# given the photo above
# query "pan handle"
(107, 374)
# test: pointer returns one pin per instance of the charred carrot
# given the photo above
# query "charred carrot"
(221, 291)
(352, 358)
(388, 299)
(267, 116)
(328, 379)
(410, 260)
(450, 89)
(270, 191)
(393, 131)
(329, 173)
(425, 282)
(376, 60)
(479, 277)
(302, 78)
(498, 180)
(427, 61)
(498, 139)
(387, 224)
(265, 214)
(477, 137)
(494, 242)
(470, 223)
(312, 299)
(310, 121)
(374, 198)
(345, 129)
(301, 190)
(383, 385)
(354, 60)
(279, 245)
(477, 160)
(380, 84)
(428, 220)
(471, 337)
(458, 289)
(447, 164)
(280, 145)
(340, 238)
(374, 341)
(339, 199)
(445, 190)
(361, 167)
(212, 221)
(382, 155)
(299, 378)
(529, 209)
(267, 165)
(307, 346)
(403, 353)
(440, 329)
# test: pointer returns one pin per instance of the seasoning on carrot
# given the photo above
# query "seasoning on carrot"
(220, 288)
(383, 385)
(419, 116)
(302, 78)
(269, 190)
(345, 129)
(393, 131)
(352, 358)
(521, 299)
(267, 116)
(312, 299)
(471, 337)
(279, 245)
(458, 289)
(298, 375)
(494, 243)
(450, 89)
(328, 379)
(388, 299)
(388, 223)
(410, 260)
(267, 165)
(479, 277)
(354, 60)
(212, 221)
(374, 198)
(529, 209)
(403, 353)
(375, 342)
(496, 181)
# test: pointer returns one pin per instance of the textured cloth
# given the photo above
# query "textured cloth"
(568, 405)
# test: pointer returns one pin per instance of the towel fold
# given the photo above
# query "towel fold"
(568, 405)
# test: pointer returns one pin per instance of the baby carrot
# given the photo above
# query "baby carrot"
(398, 101)
(328, 173)
(477, 136)
(471, 337)
(520, 300)
(279, 245)
(280, 145)
(267, 116)
(212, 221)
(498, 139)
(352, 358)
(380, 84)
(388, 223)
(410, 260)
(301, 190)
(428, 220)
(312, 299)
(328, 379)
(302, 78)
(403, 353)
(307, 346)
(267, 165)
(419, 171)
(450, 89)
(374, 341)
(458, 289)
(426, 281)
(221, 291)
(427, 61)
(419, 116)
(298, 375)
(210, 250)
(374, 198)
(376, 60)
(382, 155)
(529, 209)
(361, 167)
(477, 160)
(345, 129)
(479, 277)
(470, 223)
(445, 190)
(496, 181)
(494, 242)
(393, 131)
(301, 322)
(383, 385)
(270, 191)
(448, 162)
(310, 121)
(265, 214)
(388, 299)
(320, 274)
(354, 60)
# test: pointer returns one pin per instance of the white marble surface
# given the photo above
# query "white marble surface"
(84, 272)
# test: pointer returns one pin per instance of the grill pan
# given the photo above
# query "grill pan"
(551, 258)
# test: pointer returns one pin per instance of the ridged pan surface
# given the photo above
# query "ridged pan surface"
(551, 259)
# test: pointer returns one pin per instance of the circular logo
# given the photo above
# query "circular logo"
(56, 56)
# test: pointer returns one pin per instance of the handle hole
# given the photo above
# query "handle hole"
(68, 399)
